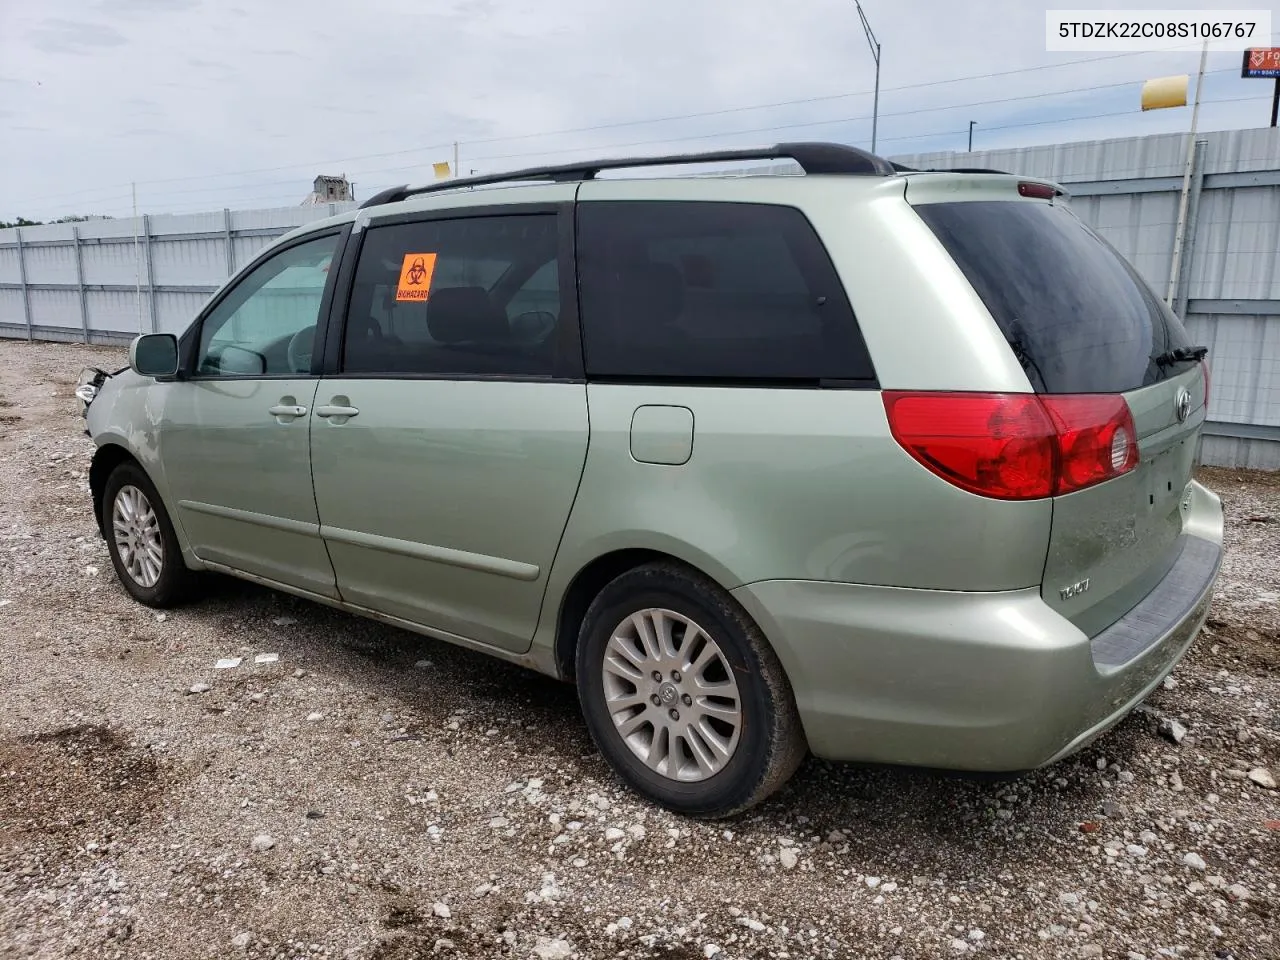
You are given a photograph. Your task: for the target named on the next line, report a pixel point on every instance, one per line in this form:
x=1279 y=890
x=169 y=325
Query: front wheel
x=140 y=537
x=684 y=696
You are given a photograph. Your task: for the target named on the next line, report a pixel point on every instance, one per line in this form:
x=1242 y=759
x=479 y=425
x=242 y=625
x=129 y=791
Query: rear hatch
x=1083 y=322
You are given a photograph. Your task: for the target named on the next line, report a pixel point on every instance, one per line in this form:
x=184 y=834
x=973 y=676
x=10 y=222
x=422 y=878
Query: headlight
x=88 y=384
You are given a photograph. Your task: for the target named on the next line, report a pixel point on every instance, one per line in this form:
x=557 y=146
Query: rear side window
x=1079 y=318
x=472 y=296
x=712 y=292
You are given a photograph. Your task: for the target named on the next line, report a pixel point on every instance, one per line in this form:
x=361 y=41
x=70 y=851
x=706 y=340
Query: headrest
x=465 y=314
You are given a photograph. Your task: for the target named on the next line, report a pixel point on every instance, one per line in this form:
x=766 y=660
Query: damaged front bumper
x=88 y=384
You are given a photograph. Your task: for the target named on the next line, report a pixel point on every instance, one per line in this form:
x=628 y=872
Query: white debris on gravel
x=262 y=843
x=199 y=688
x=1263 y=777
x=1173 y=730
x=228 y=663
x=95 y=720
x=552 y=949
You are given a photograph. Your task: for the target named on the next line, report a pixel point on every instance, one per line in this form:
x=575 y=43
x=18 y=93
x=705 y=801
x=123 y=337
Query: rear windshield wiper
x=1182 y=355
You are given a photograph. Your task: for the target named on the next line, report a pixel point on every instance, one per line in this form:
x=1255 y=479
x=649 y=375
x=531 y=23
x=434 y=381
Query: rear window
x=1079 y=318
x=721 y=292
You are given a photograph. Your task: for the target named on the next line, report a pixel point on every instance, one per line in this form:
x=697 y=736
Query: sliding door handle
x=335 y=411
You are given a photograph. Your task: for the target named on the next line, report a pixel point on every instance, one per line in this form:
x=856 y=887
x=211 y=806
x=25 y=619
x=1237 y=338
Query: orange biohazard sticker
x=415 y=276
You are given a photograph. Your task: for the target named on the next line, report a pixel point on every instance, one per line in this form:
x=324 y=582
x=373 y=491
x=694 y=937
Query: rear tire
x=684 y=696
x=140 y=537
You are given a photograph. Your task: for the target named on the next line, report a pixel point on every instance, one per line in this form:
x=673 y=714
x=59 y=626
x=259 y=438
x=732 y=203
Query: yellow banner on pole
x=441 y=170
x=1163 y=92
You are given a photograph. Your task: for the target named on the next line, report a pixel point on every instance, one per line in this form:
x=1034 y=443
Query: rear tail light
x=1016 y=446
x=1041 y=191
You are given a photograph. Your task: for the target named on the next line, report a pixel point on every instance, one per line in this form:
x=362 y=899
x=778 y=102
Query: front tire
x=683 y=695
x=141 y=540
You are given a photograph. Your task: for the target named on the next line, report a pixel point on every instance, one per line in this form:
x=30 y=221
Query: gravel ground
x=376 y=795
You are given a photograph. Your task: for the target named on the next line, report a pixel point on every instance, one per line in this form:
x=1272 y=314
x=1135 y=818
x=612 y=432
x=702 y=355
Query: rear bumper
x=995 y=682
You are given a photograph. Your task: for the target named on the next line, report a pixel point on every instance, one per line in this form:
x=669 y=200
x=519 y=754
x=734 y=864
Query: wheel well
x=104 y=462
x=590 y=580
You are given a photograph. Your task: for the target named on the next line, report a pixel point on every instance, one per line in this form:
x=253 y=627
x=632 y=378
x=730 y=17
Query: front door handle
x=335 y=411
x=287 y=411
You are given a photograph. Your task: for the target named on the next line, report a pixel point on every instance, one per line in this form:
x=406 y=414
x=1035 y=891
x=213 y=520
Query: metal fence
x=105 y=281
x=93 y=281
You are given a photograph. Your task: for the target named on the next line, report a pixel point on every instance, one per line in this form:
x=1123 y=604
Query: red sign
x=1264 y=62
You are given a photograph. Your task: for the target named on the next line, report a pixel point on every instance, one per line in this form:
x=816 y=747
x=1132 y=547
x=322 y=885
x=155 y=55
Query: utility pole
x=971 y=123
x=456 y=171
x=137 y=264
x=1179 y=237
x=875 y=53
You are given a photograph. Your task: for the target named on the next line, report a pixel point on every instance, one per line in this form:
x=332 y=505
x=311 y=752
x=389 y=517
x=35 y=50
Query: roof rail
x=813 y=158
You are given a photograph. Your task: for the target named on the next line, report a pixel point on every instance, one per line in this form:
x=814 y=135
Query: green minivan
x=881 y=464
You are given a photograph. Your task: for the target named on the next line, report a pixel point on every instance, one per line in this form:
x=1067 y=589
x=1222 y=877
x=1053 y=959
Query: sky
x=206 y=104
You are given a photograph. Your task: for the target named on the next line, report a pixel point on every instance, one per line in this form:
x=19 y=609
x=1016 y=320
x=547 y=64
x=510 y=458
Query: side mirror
x=154 y=355
x=237 y=361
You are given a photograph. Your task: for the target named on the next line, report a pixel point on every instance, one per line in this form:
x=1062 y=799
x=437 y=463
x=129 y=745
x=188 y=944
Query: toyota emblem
x=1182 y=404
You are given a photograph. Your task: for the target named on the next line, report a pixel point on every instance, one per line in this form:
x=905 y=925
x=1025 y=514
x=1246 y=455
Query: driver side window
x=267 y=324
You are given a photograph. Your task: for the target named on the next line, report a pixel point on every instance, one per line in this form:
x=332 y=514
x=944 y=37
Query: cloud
x=140 y=7
x=74 y=37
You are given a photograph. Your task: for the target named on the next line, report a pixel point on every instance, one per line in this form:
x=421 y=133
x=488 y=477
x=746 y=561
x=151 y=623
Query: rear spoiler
x=1027 y=186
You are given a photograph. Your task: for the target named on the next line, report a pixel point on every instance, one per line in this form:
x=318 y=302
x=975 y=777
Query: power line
x=803 y=100
x=683 y=138
x=819 y=123
x=950 y=132
x=677 y=139
x=627 y=123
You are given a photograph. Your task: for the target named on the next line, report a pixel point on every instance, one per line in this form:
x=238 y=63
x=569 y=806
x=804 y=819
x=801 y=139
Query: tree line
x=24 y=222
